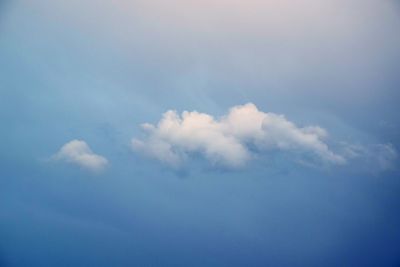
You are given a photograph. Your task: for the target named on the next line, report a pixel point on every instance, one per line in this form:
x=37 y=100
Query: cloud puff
x=231 y=139
x=78 y=152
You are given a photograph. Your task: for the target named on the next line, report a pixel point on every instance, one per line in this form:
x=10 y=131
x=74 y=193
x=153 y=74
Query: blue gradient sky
x=95 y=70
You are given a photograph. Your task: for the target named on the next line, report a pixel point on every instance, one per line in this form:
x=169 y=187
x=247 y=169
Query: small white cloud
x=227 y=140
x=78 y=152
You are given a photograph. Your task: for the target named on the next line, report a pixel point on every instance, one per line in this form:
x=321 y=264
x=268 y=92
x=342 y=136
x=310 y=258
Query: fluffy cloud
x=231 y=140
x=78 y=152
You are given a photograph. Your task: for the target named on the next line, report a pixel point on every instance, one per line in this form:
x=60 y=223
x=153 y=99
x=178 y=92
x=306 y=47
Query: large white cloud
x=227 y=140
x=78 y=152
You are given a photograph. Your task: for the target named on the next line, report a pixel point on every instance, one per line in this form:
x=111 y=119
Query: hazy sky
x=199 y=133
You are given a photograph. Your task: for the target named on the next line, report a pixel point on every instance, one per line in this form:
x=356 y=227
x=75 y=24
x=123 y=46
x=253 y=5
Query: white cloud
x=78 y=152
x=227 y=140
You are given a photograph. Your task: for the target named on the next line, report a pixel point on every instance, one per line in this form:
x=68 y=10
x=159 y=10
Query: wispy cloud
x=79 y=153
x=373 y=157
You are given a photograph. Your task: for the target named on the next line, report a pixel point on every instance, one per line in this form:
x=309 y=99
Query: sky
x=199 y=133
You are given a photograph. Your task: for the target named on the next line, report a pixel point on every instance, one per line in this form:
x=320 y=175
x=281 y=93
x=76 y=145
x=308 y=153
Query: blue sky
x=270 y=136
